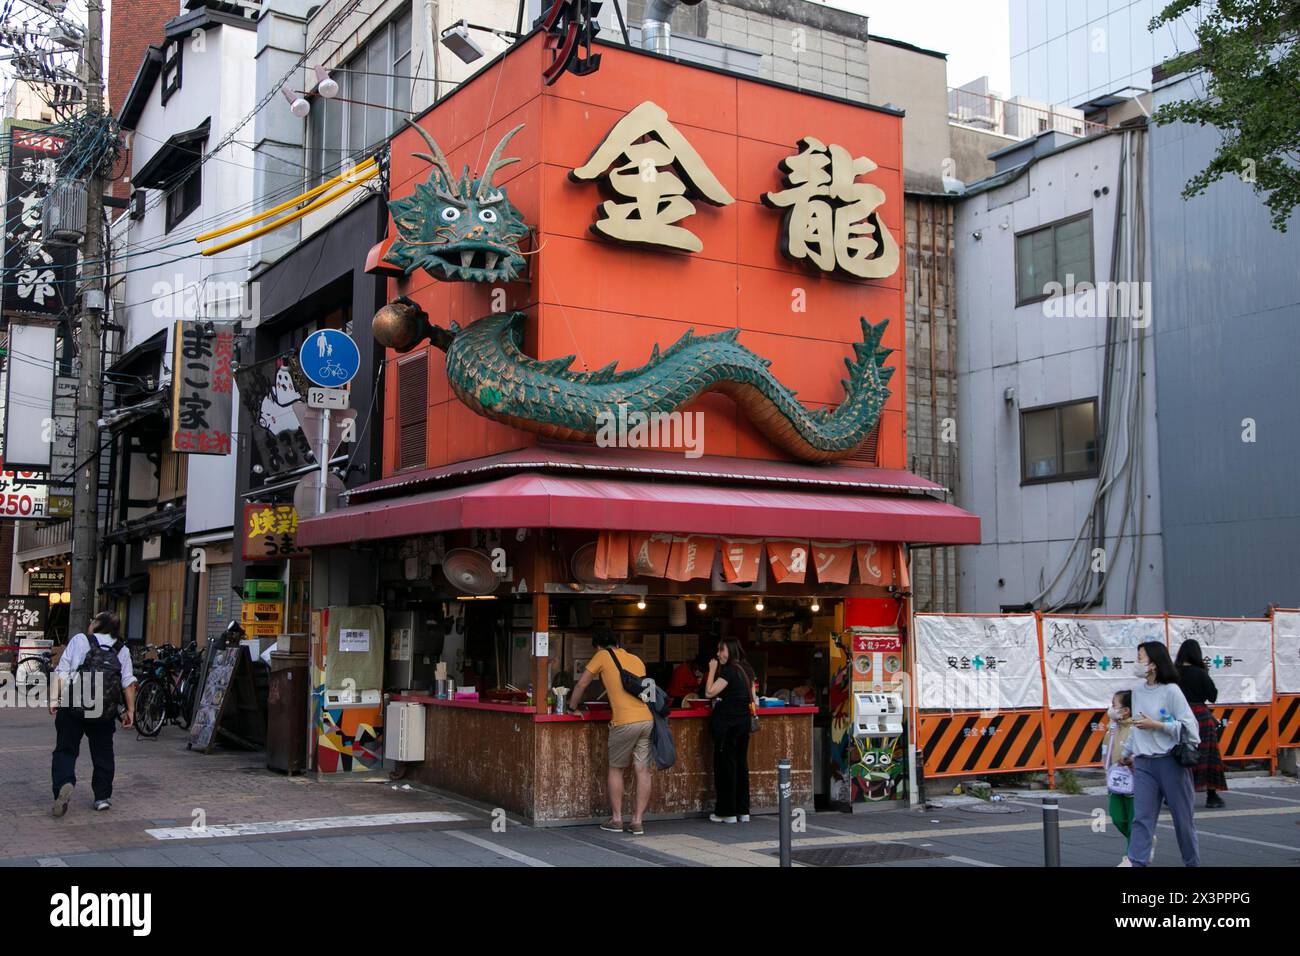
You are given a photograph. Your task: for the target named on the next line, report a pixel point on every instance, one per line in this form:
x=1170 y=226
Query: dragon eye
x=487 y=215
x=450 y=214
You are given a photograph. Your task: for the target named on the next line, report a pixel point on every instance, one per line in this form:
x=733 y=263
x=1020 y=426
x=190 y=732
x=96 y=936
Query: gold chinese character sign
x=831 y=219
x=646 y=161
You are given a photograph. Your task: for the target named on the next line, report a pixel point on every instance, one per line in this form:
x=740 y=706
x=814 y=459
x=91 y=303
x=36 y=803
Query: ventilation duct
x=656 y=28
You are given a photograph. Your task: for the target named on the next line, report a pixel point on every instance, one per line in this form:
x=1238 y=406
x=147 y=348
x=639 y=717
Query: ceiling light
x=704 y=603
x=456 y=38
x=640 y=604
x=758 y=605
x=326 y=85
x=816 y=606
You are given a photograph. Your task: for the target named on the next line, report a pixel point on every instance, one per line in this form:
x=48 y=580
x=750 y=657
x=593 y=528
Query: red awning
x=544 y=501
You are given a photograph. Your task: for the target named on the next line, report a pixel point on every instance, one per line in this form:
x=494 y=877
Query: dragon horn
x=435 y=155
x=495 y=162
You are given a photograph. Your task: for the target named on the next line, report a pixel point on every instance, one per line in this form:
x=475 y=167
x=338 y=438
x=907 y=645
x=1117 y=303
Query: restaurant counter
x=550 y=768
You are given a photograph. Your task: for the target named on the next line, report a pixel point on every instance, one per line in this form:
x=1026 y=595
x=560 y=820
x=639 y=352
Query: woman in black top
x=730 y=685
x=1198 y=687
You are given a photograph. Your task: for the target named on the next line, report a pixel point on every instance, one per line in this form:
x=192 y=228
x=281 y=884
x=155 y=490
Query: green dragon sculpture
x=456 y=228
x=489 y=372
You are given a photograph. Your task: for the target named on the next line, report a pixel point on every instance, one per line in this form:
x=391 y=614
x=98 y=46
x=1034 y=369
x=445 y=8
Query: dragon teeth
x=467 y=258
x=491 y=260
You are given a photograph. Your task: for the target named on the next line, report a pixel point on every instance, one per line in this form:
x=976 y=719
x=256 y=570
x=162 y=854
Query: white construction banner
x=1090 y=659
x=977 y=663
x=1286 y=650
x=1238 y=653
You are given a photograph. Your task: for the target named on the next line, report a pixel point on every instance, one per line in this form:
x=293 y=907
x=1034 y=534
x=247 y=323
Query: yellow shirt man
x=625 y=708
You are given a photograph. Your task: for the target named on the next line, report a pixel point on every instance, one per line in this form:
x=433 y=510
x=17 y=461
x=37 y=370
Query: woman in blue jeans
x=1161 y=715
x=730 y=685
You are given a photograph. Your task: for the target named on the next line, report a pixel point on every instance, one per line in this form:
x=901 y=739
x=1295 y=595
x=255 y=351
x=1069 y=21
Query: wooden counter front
x=551 y=769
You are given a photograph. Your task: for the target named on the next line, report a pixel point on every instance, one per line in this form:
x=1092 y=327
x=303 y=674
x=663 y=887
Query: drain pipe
x=656 y=29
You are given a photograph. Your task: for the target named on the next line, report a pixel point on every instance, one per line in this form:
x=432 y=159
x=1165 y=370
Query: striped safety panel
x=1286 y=711
x=960 y=744
x=1245 y=733
x=1077 y=736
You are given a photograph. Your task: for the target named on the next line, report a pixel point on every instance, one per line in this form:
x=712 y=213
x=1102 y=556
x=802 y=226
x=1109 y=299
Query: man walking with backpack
x=93 y=678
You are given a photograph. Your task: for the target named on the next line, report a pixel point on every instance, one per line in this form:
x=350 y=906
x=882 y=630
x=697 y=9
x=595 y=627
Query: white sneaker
x=714 y=818
x=744 y=818
x=1152 y=857
x=1125 y=862
x=60 y=806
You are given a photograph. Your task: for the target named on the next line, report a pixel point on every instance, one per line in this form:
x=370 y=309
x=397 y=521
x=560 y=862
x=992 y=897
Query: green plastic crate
x=258 y=589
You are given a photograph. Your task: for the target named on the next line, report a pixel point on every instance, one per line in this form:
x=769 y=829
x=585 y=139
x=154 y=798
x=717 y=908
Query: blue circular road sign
x=330 y=358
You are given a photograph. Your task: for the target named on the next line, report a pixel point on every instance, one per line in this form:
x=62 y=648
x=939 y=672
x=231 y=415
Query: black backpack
x=636 y=686
x=102 y=661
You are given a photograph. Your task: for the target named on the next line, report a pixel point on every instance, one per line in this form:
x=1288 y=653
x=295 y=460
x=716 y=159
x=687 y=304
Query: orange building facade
x=606 y=301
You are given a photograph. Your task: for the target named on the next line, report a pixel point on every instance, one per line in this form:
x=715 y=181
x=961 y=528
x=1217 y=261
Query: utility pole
x=85 y=493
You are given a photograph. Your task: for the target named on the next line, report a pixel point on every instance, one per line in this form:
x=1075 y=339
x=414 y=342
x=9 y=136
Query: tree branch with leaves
x=1249 y=53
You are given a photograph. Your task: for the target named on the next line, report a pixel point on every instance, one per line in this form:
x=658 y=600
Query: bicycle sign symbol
x=330 y=358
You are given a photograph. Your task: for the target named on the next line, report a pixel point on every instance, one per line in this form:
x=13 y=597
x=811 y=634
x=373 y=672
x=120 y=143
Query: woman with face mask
x=1161 y=715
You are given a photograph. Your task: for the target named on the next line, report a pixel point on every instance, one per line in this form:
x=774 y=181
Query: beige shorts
x=628 y=742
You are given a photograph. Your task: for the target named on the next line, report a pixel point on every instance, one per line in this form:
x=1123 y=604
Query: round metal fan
x=470 y=571
x=583 y=566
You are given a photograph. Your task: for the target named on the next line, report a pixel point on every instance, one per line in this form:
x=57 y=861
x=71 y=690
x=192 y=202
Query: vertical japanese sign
x=270 y=532
x=36 y=276
x=202 y=386
x=22 y=616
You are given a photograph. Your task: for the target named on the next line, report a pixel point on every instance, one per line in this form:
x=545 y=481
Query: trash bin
x=286 y=713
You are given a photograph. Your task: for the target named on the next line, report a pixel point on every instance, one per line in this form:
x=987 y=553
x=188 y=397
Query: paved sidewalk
x=255 y=817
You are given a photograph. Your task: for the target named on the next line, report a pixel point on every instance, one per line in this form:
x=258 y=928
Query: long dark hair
x=1189 y=652
x=736 y=655
x=1158 y=654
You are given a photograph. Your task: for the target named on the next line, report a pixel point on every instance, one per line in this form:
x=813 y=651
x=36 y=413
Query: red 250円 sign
x=23 y=494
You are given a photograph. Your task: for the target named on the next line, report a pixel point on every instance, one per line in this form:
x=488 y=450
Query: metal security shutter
x=223 y=603
x=412 y=410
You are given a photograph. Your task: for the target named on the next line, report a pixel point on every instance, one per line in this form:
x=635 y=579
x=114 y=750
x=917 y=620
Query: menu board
x=211 y=705
x=681 y=647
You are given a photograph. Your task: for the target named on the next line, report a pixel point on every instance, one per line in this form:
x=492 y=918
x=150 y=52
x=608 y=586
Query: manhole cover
x=993 y=808
x=862 y=855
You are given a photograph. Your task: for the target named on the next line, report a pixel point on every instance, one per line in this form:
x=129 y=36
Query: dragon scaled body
x=489 y=371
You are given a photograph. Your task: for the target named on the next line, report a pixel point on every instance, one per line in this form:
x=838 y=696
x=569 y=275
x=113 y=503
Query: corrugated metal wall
x=931 y=379
x=1227 y=333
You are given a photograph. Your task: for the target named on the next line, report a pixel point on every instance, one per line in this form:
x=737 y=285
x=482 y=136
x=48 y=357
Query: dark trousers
x=69 y=727
x=731 y=766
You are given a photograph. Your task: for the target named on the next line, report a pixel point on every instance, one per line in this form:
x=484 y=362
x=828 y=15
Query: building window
x=1059 y=442
x=171 y=70
x=184 y=198
x=377 y=80
x=1060 y=252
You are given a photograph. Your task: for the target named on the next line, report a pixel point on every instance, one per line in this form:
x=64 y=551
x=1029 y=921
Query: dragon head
x=458 y=228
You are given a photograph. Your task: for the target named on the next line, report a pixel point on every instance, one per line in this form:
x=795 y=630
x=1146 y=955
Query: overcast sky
x=975 y=34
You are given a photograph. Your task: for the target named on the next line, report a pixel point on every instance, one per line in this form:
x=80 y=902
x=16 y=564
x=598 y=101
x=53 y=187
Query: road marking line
x=975 y=831
x=968 y=861
x=1262 y=796
x=51 y=861
x=499 y=850
x=300 y=826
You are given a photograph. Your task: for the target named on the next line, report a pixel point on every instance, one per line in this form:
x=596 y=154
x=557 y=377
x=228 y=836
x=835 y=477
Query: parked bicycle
x=169 y=689
x=33 y=669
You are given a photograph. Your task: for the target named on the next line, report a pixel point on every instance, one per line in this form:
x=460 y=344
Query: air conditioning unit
x=63 y=214
x=404 y=731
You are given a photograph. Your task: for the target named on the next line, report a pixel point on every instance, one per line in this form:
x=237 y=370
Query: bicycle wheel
x=31 y=670
x=188 y=693
x=150 y=707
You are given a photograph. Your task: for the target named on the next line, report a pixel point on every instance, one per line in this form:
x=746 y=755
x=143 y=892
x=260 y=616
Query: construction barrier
x=1246 y=732
x=1077 y=736
x=979 y=710
x=958 y=745
x=1286 y=717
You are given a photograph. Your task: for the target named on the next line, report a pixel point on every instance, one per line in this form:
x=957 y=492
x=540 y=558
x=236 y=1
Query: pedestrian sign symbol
x=330 y=358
